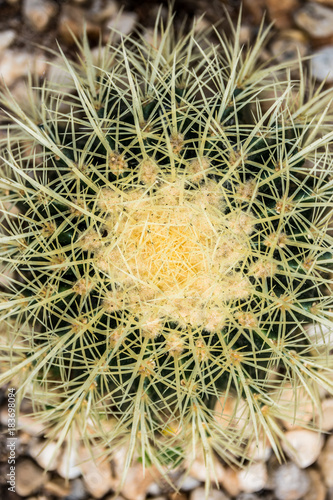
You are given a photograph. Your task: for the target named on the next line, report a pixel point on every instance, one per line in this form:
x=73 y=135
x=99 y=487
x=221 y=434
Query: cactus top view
x=166 y=247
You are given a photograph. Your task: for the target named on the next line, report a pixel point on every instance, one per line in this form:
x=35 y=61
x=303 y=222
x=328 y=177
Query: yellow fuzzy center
x=172 y=254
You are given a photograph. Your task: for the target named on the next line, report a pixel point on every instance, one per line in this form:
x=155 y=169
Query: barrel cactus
x=165 y=247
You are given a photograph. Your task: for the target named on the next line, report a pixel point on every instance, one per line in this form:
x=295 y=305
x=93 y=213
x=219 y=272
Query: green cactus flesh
x=167 y=245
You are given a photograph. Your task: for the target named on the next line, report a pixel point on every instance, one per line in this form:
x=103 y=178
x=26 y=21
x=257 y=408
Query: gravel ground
x=28 y=33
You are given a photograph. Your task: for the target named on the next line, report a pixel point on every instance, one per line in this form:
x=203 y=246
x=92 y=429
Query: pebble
x=110 y=10
x=57 y=487
x=303 y=446
x=247 y=496
x=137 y=482
x=290 y=482
x=17 y=63
x=124 y=23
x=230 y=411
x=97 y=474
x=326 y=422
x=231 y=482
x=288 y=48
x=198 y=470
x=68 y=464
x=325 y=462
x=213 y=494
x=253 y=478
x=279 y=12
x=78 y=491
x=29 y=477
x=30 y=425
x=6 y=39
x=315 y=19
x=187 y=483
x=317 y=489
x=39 y=13
x=73 y=19
x=259 y=451
x=45 y=453
x=322 y=68
x=304 y=411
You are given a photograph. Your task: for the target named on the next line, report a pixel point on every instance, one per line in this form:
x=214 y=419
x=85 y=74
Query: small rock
x=124 y=23
x=279 y=12
x=39 y=13
x=78 y=491
x=96 y=473
x=187 y=483
x=326 y=422
x=110 y=10
x=316 y=19
x=325 y=462
x=317 y=489
x=29 y=477
x=68 y=464
x=57 y=487
x=248 y=496
x=321 y=335
x=198 y=470
x=290 y=482
x=46 y=454
x=30 y=425
x=200 y=494
x=17 y=63
x=137 y=482
x=303 y=446
x=322 y=68
x=231 y=411
x=259 y=451
x=245 y=33
x=73 y=19
x=6 y=39
x=253 y=478
x=291 y=416
x=231 y=482
x=178 y=495
x=289 y=49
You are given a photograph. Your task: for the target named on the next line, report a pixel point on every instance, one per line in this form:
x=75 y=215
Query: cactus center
x=173 y=252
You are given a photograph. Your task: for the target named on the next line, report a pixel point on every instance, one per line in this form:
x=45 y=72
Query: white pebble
x=290 y=482
x=200 y=494
x=303 y=446
x=253 y=478
x=6 y=38
x=16 y=63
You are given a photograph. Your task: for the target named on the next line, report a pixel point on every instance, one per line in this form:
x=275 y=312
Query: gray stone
x=316 y=19
x=322 y=67
x=290 y=482
x=78 y=491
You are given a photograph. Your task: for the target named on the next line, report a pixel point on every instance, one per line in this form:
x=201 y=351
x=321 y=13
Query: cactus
x=166 y=246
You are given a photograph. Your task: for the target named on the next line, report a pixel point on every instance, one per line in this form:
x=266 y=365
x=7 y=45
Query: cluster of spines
x=181 y=134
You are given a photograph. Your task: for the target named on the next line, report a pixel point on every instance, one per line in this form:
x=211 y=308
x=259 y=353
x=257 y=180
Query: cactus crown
x=165 y=245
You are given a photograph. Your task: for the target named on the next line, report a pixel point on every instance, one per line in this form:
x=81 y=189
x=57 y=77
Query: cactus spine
x=167 y=245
